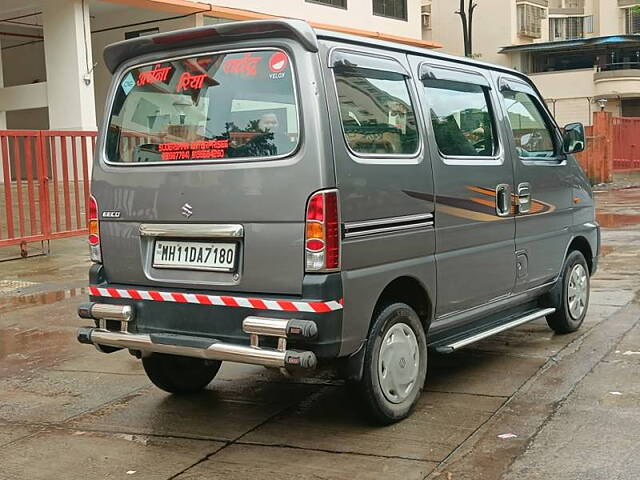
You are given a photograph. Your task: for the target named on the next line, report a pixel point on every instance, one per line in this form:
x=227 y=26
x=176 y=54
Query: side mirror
x=573 y=138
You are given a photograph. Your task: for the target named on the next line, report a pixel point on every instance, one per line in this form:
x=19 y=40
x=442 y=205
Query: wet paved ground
x=572 y=402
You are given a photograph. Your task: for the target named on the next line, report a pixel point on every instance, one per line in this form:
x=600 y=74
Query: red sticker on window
x=187 y=81
x=244 y=66
x=278 y=62
x=202 y=149
x=158 y=74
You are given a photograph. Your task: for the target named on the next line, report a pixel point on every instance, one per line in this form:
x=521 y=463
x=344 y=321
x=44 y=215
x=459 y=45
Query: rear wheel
x=573 y=299
x=176 y=374
x=395 y=364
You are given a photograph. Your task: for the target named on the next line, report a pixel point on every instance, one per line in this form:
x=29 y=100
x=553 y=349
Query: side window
x=462 y=119
x=531 y=132
x=376 y=112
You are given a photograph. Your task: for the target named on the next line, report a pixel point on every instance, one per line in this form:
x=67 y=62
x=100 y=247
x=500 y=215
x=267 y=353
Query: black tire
x=566 y=320
x=176 y=374
x=380 y=408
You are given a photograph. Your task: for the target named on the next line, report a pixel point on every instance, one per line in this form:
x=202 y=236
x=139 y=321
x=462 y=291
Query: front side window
x=462 y=119
x=376 y=112
x=205 y=108
x=390 y=8
x=532 y=136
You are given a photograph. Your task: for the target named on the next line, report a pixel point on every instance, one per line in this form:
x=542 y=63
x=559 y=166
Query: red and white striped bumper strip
x=223 y=301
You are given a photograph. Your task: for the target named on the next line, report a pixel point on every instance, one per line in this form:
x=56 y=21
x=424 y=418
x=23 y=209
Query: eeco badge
x=278 y=62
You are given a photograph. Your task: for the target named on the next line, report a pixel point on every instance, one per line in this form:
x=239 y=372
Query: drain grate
x=9 y=286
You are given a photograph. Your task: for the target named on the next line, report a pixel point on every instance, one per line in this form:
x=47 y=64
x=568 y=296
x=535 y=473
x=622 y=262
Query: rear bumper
x=204 y=348
x=217 y=318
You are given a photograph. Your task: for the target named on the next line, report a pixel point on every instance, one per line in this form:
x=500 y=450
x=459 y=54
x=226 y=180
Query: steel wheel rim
x=398 y=363
x=577 y=291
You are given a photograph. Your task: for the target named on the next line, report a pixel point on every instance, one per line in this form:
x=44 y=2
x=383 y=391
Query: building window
x=631 y=21
x=530 y=20
x=426 y=17
x=569 y=28
x=573 y=3
x=331 y=3
x=566 y=4
x=390 y=8
x=141 y=33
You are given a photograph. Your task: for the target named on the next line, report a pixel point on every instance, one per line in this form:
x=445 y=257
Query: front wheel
x=395 y=364
x=573 y=300
x=175 y=374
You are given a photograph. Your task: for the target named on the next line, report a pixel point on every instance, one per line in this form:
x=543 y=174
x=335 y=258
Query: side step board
x=464 y=341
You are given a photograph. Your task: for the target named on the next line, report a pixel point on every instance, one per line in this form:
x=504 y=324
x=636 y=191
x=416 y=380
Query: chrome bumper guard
x=201 y=347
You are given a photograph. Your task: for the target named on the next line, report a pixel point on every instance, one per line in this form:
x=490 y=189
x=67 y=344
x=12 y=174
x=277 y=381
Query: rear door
x=473 y=179
x=543 y=186
x=204 y=169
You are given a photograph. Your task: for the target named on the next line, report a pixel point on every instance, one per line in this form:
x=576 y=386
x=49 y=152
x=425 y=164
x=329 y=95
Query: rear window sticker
x=128 y=83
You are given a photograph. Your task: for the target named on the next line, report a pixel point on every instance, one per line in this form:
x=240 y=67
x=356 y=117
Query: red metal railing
x=44 y=187
x=626 y=143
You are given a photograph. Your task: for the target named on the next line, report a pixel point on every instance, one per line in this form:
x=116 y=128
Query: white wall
x=68 y=59
x=492 y=29
x=359 y=14
x=571 y=91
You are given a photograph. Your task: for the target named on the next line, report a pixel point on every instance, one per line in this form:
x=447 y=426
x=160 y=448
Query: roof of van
x=299 y=30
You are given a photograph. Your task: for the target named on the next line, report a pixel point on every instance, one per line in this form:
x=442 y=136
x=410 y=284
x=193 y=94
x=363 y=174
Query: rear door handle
x=524 y=197
x=503 y=200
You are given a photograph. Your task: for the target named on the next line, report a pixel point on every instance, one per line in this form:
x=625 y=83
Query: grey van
x=270 y=194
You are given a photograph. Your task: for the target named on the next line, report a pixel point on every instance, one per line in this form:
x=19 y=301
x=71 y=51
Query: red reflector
x=332 y=230
x=316 y=208
x=93 y=208
x=94 y=239
x=315 y=245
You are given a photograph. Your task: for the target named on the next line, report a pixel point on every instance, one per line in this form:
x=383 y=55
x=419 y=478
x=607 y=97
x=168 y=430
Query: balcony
x=620 y=79
x=566 y=7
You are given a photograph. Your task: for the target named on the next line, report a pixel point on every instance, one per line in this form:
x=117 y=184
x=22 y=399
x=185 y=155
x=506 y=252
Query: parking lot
x=522 y=405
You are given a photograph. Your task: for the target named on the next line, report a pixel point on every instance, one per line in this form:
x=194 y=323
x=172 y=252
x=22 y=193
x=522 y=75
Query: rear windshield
x=205 y=108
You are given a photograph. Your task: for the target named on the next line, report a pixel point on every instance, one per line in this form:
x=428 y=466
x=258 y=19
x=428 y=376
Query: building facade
x=51 y=71
x=583 y=55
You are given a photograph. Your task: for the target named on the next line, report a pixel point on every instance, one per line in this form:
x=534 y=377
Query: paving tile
x=91 y=360
x=466 y=371
x=11 y=432
x=60 y=454
x=594 y=434
x=612 y=297
x=226 y=410
x=250 y=462
x=51 y=396
x=628 y=350
x=331 y=420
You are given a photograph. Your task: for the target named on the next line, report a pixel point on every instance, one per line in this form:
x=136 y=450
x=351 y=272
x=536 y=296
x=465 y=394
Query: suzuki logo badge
x=187 y=210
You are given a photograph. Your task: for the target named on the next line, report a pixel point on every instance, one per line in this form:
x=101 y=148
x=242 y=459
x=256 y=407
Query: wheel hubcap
x=398 y=362
x=577 y=291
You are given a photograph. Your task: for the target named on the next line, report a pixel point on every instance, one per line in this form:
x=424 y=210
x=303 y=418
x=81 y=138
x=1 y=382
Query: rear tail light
x=322 y=232
x=94 y=231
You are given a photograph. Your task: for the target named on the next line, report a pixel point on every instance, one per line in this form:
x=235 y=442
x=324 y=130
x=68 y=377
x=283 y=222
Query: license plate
x=194 y=255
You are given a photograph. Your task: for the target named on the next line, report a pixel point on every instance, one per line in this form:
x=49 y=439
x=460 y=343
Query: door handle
x=524 y=197
x=503 y=200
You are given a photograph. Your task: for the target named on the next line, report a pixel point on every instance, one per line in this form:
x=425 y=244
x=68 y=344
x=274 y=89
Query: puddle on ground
x=23 y=350
x=605 y=250
x=42 y=298
x=617 y=220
